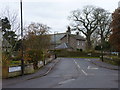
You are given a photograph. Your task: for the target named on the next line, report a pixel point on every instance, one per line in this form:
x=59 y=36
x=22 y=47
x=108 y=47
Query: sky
x=53 y=13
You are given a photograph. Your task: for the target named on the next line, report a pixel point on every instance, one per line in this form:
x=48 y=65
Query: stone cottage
x=72 y=41
x=68 y=41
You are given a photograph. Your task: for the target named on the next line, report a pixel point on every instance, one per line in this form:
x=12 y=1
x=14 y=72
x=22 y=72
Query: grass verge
x=81 y=57
x=112 y=62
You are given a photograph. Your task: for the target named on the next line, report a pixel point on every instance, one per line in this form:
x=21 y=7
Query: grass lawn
x=15 y=63
x=114 y=60
x=81 y=57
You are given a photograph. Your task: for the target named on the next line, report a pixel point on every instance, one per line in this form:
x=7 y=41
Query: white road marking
x=80 y=68
x=84 y=72
x=87 y=59
x=89 y=67
x=63 y=82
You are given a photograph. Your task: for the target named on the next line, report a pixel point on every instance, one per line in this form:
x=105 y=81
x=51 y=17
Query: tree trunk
x=35 y=64
x=89 y=45
x=119 y=54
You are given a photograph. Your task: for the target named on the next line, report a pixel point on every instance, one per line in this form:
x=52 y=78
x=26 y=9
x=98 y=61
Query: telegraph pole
x=102 y=53
x=22 y=60
x=55 y=44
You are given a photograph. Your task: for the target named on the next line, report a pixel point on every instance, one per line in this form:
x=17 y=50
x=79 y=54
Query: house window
x=82 y=44
x=78 y=43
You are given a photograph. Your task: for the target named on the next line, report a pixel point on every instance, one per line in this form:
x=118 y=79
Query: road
x=73 y=73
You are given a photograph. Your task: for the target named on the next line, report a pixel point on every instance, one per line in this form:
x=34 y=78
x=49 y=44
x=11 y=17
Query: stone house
x=68 y=41
x=55 y=39
x=72 y=41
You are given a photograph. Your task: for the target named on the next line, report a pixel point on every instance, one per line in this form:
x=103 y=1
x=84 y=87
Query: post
x=55 y=44
x=43 y=58
x=22 y=60
x=102 y=52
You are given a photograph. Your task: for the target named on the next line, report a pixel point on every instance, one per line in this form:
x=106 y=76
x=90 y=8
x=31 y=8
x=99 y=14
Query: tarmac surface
x=69 y=73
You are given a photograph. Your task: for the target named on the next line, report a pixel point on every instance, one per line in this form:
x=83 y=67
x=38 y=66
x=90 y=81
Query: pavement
x=104 y=65
x=42 y=72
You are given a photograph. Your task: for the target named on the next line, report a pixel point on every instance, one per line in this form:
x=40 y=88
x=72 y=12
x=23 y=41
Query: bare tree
x=37 y=41
x=85 y=21
x=103 y=29
x=101 y=35
x=36 y=37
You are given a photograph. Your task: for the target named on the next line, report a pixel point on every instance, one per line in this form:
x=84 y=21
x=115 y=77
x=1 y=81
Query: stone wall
x=28 y=68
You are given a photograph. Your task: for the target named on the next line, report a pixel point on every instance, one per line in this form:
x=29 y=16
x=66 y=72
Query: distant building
x=68 y=41
x=55 y=39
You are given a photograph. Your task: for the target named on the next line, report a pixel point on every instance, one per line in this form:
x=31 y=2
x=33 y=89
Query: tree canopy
x=88 y=20
x=115 y=26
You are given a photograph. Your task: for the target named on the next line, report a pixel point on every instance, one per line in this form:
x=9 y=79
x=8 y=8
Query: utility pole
x=55 y=44
x=102 y=53
x=22 y=60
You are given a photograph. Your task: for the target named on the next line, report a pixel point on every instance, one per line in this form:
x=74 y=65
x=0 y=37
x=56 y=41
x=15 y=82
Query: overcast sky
x=54 y=13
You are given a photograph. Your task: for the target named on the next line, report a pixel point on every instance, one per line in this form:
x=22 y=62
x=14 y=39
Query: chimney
x=77 y=33
x=68 y=32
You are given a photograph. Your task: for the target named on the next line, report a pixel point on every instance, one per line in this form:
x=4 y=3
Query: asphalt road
x=73 y=73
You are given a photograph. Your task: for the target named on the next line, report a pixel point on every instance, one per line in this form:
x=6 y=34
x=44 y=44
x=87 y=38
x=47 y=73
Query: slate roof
x=63 y=46
x=57 y=36
x=78 y=37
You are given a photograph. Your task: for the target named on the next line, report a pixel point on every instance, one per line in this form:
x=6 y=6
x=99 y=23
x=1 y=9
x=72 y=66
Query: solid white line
x=84 y=72
x=75 y=62
x=80 y=68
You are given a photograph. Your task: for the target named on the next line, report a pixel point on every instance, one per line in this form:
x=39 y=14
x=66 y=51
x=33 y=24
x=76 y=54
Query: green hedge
x=65 y=53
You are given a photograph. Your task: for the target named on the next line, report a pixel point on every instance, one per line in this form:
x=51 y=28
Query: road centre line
x=80 y=68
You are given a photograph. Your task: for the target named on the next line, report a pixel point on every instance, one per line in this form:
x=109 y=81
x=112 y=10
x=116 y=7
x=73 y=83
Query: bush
x=79 y=50
x=33 y=56
x=5 y=59
x=98 y=47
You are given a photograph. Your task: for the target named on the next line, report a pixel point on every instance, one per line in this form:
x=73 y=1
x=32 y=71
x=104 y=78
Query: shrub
x=33 y=56
x=5 y=59
x=65 y=53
